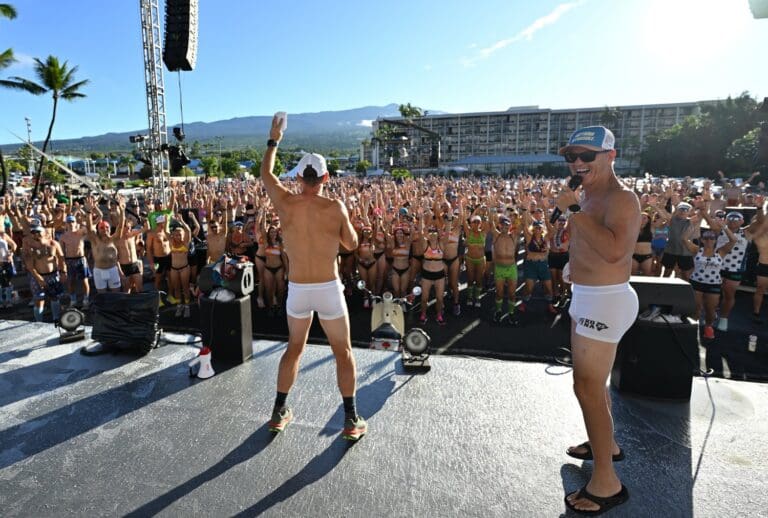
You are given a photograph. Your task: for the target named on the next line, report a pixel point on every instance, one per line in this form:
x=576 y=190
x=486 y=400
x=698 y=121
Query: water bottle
x=752 y=343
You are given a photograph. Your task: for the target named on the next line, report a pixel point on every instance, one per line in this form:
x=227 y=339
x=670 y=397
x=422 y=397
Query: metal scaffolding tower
x=157 y=144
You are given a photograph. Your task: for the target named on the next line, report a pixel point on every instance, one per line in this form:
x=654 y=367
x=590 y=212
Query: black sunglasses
x=585 y=156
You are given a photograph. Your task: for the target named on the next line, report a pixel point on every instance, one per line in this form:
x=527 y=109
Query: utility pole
x=31 y=161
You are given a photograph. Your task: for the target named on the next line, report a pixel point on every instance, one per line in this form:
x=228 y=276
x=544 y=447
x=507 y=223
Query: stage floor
x=118 y=435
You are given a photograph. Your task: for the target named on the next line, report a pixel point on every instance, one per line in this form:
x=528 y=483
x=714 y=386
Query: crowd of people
x=422 y=231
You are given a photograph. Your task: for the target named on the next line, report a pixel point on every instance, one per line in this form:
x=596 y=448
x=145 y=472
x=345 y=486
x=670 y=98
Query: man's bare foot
x=584 y=452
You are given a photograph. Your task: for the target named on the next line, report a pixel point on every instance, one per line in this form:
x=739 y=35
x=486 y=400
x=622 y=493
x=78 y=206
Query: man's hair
x=310 y=176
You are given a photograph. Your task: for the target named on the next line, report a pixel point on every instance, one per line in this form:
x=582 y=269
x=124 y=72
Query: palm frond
x=6 y=58
x=7 y=11
x=19 y=83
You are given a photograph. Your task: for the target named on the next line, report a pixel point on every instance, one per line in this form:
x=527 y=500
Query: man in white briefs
x=604 y=224
x=313 y=228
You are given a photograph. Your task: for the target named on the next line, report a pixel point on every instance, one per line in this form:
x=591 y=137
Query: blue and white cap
x=596 y=138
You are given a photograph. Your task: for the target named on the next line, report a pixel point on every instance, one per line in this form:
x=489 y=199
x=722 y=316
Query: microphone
x=573 y=184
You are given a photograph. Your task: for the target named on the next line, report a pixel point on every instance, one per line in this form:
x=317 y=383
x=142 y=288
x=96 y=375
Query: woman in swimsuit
x=642 y=257
x=449 y=241
x=260 y=255
x=432 y=274
x=379 y=249
x=559 y=242
x=400 y=245
x=274 y=274
x=475 y=257
x=178 y=277
x=536 y=266
x=366 y=262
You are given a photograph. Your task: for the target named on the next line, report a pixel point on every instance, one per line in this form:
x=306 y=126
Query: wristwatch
x=573 y=209
x=271 y=143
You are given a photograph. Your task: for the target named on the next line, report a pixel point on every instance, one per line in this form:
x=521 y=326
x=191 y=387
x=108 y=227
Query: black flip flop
x=588 y=455
x=606 y=503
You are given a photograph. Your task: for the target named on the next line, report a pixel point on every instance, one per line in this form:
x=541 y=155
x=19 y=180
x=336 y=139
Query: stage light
x=71 y=322
x=415 y=355
x=179 y=134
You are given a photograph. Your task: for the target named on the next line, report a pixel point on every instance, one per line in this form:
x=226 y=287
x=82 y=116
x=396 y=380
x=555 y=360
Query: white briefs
x=106 y=277
x=327 y=298
x=603 y=313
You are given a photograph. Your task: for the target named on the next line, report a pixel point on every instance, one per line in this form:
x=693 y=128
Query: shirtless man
x=313 y=228
x=47 y=269
x=128 y=258
x=604 y=228
x=159 y=250
x=73 y=243
x=217 y=233
x=106 y=275
x=506 y=237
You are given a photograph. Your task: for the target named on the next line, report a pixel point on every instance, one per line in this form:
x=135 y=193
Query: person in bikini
x=432 y=274
x=604 y=226
x=475 y=257
x=314 y=228
x=401 y=251
x=159 y=252
x=274 y=270
x=536 y=267
x=449 y=241
x=366 y=262
x=178 y=277
x=642 y=256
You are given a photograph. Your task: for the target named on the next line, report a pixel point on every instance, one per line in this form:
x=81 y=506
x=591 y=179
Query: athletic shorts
x=534 y=270
x=77 y=268
x=731 y=276
x=51 y=288
x=327 y=298
x=106 y=277
x=762 y=270
x=163 y=263
x=603 y=313
x=685 y=262
x=557 y=260
x=505 y=273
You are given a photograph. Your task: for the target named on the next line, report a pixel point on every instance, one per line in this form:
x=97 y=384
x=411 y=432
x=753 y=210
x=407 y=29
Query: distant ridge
x=343 y=129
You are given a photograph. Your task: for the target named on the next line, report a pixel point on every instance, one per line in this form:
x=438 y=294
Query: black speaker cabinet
x=658 y=360
x=126 y=321
x=673 y=296
x=180 y=48
x=227 y=329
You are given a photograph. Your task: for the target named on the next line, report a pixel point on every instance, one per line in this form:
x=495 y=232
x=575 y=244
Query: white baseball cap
x=312 y=162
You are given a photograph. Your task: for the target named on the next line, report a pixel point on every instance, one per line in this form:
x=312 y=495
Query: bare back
x=312 y=232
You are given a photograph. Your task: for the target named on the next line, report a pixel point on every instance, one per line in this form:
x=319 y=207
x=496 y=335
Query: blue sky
x=257 y=57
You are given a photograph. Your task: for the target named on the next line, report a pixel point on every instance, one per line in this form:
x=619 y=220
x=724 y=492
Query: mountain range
x=321 y=131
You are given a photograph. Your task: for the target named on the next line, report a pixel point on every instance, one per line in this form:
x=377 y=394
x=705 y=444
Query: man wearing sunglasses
x=604 y=225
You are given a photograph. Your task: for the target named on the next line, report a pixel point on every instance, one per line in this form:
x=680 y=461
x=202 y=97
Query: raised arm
x=276 y=192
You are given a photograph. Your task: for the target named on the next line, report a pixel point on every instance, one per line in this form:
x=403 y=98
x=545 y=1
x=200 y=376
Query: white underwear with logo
x=327 y=298
x=603 y=313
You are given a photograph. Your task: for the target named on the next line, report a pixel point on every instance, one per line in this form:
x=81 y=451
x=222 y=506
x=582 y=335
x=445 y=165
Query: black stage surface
x=474 y=334
x=117 y=435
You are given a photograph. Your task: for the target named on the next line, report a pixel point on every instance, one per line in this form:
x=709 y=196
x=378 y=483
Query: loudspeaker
x=657 y=360
x=180 y=48
x=235 y=276
x=227 y=329
x=673 y=296
x=126 y=321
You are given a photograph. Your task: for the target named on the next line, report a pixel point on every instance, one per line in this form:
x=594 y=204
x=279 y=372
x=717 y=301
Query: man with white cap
x=313 y=228
x=604 y=224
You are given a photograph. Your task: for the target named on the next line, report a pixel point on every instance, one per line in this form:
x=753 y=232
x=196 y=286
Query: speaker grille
x=180 y=49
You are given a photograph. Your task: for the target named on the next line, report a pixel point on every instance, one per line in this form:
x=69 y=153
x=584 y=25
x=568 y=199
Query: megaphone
x=201 y=366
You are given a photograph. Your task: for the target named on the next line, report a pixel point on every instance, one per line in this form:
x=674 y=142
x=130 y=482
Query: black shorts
x=432 y=276
x=762 y=270
x=641 y=258
x=685 y=262
x=731 y=276
x=705 y=288
x=557 y=260
x=163 y=263
x=489 y=256
x=131 y=268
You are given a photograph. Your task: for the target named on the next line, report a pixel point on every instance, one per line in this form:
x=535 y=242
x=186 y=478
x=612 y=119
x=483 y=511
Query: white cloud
x=525 y=34
x=23 y=62
x=368 y=123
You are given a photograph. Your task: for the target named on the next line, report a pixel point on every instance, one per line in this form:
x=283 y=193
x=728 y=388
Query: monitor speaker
x=126 y=321
x=672 y=296
x=227 y=329
x=180 y=48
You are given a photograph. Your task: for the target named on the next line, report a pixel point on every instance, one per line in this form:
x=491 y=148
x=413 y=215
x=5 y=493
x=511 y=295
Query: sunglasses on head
x=585 y=156
x=735 y=218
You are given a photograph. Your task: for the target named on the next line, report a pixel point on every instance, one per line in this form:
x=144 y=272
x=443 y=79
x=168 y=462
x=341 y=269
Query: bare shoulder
x=624 y=201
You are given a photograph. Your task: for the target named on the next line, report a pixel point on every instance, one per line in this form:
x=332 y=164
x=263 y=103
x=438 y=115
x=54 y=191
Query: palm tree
x=6 y=57
x=58 y=79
